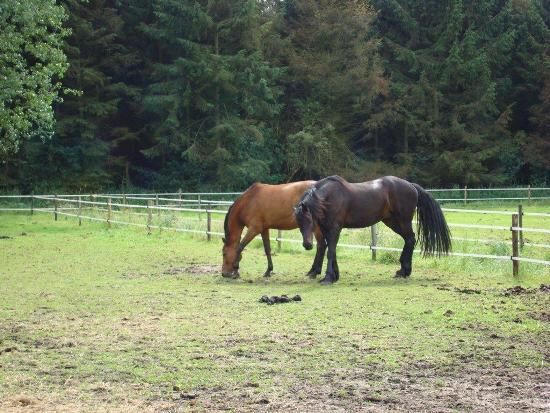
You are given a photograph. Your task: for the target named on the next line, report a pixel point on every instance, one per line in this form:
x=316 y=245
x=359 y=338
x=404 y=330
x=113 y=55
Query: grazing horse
x=260 y=208
x=333 y=203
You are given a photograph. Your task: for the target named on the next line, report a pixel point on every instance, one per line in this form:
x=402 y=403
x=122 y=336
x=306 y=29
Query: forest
x=100 y=95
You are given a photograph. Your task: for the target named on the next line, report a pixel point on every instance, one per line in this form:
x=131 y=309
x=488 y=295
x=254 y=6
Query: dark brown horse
x=333 y=203
x=260 y=208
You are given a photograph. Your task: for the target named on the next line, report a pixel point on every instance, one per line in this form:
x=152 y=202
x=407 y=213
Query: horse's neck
x=235 y=226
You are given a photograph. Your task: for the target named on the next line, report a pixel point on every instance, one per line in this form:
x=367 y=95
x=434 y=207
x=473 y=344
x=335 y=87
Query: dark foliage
x=218 y=94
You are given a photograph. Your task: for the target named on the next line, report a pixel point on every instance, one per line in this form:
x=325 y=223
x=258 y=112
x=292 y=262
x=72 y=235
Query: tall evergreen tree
x=334 y=80
x=79 y=155
x=213 y=96
x=447 y=61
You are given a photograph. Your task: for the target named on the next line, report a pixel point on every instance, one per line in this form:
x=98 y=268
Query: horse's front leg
x=332 y=275
x=249 y=236
x=317 y=266
x=267 y=249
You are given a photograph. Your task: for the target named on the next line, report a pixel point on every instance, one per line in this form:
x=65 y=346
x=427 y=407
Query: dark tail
x=433 y=232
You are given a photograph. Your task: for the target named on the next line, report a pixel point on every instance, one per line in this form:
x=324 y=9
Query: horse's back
x=365 y=203
x=272 y=206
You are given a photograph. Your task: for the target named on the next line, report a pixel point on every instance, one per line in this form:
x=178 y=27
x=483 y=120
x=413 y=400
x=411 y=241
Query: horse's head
x=306 y=224
x=231 y=258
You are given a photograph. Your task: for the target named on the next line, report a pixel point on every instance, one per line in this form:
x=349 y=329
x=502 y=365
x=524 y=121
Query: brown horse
x=333 y=203
x=260 y=208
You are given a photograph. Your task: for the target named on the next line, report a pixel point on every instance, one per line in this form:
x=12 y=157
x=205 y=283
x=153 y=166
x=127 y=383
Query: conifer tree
x=213 y=95
x=78 y=154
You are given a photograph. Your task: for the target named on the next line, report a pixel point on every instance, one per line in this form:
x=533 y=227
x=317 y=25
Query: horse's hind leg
x=267 y=249
x=405 y=229
x=317 y=266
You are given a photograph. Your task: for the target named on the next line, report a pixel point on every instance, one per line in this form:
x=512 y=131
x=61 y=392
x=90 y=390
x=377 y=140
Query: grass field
x=96 y=319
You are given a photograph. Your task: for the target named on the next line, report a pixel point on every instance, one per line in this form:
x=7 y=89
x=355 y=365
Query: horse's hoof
x=402 y=274
x=312 y=274
x=268 y=274
x=326 y=281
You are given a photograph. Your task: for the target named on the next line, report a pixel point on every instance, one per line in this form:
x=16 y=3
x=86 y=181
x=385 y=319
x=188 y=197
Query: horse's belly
x=362 y=223
x=287 y=222
x=361 y=217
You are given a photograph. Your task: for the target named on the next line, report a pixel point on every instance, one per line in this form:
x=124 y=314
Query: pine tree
x=449 y=63
x=213 y=95
x=335 y=79
x=77 y=156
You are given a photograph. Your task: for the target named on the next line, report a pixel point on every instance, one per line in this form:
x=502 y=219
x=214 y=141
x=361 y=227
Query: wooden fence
x=144 y=207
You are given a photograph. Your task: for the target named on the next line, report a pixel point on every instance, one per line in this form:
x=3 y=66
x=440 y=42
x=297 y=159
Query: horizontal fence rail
x=195 y=208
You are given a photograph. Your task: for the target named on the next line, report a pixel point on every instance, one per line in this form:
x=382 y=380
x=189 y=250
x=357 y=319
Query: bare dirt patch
x=195 y=269
x=519 y=290
x=418 y=387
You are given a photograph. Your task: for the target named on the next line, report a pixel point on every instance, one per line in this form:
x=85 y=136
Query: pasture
x=99 y=319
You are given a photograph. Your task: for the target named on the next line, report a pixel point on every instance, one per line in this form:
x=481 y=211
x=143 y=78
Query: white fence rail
x=76 y=205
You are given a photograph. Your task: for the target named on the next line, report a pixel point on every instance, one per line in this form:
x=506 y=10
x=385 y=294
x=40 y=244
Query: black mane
x=314 y=200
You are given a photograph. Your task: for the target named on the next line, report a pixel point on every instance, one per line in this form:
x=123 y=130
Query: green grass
x=100 y=319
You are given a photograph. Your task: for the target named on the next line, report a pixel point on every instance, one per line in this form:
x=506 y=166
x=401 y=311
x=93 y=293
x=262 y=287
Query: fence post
x=79 y=210
x=515 y=248
x=157 y=204
x=279 y=242
x=465 y=194
x=109 y=212
x=529 y=193
x=208 y=224
x=179 y=198
x=200 y=207
x=32 y=203
x=55 y=207
x=520 y=224
x=149 y=216
x=374 y=238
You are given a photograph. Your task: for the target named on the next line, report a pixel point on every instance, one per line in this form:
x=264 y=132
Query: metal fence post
x=157 y=204
x=55 y=207
x=149 y=216
x=79 y=210
x=529 y=193
x=465 y=194
x=32 y=204
x=515 y=244
x=279 y=242
x=374 y=238
x=520 y=225
x=208 y=224
x=109 y=212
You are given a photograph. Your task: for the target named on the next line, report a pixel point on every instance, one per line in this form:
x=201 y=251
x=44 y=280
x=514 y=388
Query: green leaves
x=32 y=63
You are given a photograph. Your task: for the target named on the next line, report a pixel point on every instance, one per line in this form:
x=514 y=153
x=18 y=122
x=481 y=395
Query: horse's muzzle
x=230 y=274
x=307 y=245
